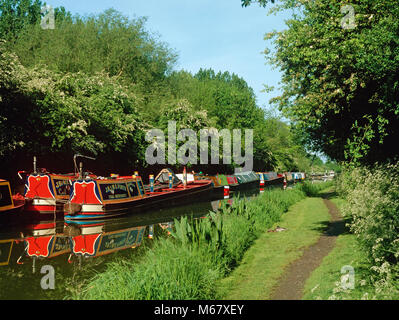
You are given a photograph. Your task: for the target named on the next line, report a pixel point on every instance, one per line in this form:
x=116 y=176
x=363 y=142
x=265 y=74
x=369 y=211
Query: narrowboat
x=226 y=180
x=9 y=204
x=223 y=184
x=247 y=179
x=46 y=193
x=273 y=179
x=289 y=177
x=96 y=198
x=298 y=176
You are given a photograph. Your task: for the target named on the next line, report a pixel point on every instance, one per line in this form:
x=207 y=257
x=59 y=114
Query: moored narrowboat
x=273 y=178
x=223 y=184
x=298 y=176
x=247 y=179
x=95 y=198
x=47 y=193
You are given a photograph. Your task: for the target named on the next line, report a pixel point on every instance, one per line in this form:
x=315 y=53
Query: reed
x=199 y=252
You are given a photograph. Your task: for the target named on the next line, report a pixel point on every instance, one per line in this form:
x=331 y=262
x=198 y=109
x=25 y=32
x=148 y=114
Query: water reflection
x=77 y=250
x=91 y=240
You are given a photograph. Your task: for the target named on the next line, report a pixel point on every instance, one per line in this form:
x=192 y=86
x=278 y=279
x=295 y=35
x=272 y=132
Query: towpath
x=292 y=283
x=278 y=264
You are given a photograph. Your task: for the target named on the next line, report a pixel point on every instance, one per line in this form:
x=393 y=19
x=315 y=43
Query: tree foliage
x=340 y=83
x=96 y=83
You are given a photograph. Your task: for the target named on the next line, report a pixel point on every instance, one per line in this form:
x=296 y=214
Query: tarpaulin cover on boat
x=163 y=176
x=245 y=177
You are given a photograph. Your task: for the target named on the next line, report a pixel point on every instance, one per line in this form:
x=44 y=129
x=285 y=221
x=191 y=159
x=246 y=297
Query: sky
x=217 y=34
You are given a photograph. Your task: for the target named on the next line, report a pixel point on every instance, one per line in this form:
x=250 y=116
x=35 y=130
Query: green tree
x=15 y=15
x=109 y=42
x=43 y=112
x=340 y=82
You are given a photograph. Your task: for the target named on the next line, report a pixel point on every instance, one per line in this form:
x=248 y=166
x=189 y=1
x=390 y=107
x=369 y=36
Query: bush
x=373 y=209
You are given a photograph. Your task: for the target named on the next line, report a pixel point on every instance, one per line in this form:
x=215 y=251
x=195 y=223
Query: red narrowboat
x=96 y=198
x=46 y=192
x=94 y=241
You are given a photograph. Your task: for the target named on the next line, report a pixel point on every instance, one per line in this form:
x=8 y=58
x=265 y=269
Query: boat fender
x=70 y=258
x=19 y=260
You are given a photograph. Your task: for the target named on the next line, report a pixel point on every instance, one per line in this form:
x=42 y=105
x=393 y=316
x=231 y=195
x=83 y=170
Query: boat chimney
x=184 y=176
x=151 y=183
x=34 y=165
x=81 y=170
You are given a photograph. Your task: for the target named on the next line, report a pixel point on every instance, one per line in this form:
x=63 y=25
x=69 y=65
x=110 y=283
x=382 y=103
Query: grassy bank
x=199 y=253
x=325 y=282
x=328 y=282
x=266 y=260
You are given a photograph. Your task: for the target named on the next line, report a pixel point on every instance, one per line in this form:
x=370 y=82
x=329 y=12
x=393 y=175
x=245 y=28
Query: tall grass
x=187 y=265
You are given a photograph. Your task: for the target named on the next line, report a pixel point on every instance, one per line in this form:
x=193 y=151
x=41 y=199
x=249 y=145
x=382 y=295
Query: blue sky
x=217 y=34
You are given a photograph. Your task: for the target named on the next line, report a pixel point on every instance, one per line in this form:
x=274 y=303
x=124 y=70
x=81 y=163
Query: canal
x=53 y=258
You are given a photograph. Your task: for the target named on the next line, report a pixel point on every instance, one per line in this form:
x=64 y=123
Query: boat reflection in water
x=91 y=240
x=42 y=240
x=52 y=238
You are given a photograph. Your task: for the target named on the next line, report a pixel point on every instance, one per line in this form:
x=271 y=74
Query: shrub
x=373 y=209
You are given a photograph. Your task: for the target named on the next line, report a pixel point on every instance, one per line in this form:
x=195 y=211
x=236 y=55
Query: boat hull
x=275 y=182
x=42 y=206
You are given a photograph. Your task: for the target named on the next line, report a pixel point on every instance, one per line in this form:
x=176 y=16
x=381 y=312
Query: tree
x=108 y=42
x=340 y=81
x=16 y=15
x=44 y=113
x=263 y=3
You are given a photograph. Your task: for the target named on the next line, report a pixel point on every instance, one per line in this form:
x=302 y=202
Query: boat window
x=62 y=187
x=134 y=192
x=141 y=187
x=113 y=191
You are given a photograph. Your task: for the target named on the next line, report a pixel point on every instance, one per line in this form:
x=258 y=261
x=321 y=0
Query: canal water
x=53 y=259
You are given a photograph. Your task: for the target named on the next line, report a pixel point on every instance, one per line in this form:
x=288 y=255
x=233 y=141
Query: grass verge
x=327 y=281
x=265 y=262
x=188 y=265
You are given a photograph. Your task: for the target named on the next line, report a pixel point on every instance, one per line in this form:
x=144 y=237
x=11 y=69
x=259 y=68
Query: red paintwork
x=85 y=244
x=84 y=192
x=231 y=180
x=38 y=187
x=38 y=246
